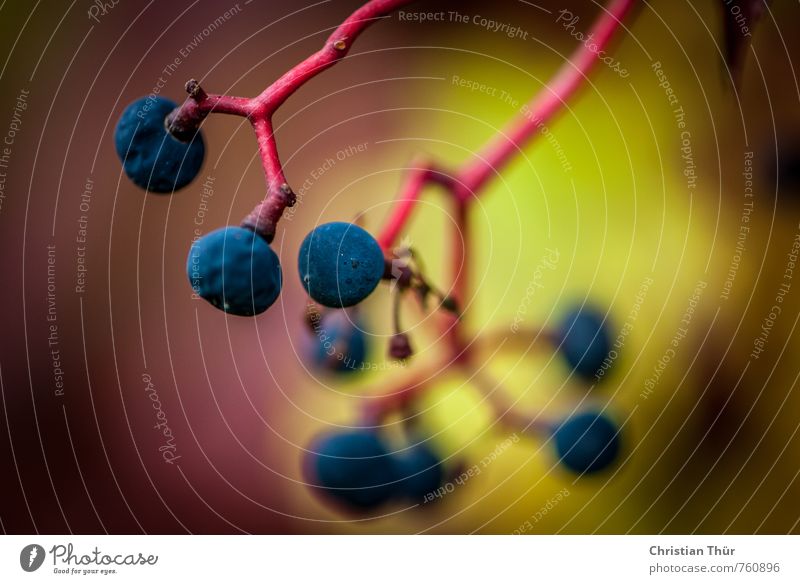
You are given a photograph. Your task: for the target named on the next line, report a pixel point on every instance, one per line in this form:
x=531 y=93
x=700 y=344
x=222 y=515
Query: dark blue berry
x=235 y=270
x=353 y=468
x=420 y=472
x=585 y=341
x=587 y=442
x=151 y=156
x=340 y=264
x=339 y=342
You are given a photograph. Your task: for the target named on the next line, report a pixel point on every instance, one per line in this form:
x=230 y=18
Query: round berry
x=153 y=158
x=420 y=472
x=235 y=270
x=353 y=468
x=340 y=264
x=340 y=343
x=585 y=341
x=587 y=442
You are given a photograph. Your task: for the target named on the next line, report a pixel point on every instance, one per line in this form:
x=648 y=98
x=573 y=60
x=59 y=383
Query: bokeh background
x=712 y=448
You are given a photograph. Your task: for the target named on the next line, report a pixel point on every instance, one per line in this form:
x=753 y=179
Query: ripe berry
x=354 y=468
x=587 y=442
x=585 y=341
x=339 y=342
x=420 y=472
x=153 y=158
x=340 y=264
x=235 y=270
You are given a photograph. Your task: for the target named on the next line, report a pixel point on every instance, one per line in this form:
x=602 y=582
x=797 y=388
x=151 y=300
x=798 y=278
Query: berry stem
x=470 y=179
x=549 y=102
x=264 y=217
x=505 y=411
x=417 y=178
x=184 y=122
x=377 y=407
x=335 y=48
x=459 y=348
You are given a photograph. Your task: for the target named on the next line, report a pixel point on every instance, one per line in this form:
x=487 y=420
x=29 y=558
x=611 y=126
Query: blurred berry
x=420 y=472
x=151 y=156
x=587 y=442
x=585 y=341
x=354 y=468
x=235 y=270
x=340 y=264
x=339 y=342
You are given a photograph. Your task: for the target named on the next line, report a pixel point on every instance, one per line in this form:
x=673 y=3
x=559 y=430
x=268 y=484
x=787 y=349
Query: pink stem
x=184 y=122
x=505 y=411
x=459 y=348
x=418 y=176
x=547 y=103
x=335 y=48
x=474 y=175
x=542 y=108
x=264 y=217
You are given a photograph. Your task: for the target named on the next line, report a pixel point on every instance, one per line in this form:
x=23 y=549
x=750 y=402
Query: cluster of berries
x=340 y=264
x=234 y=268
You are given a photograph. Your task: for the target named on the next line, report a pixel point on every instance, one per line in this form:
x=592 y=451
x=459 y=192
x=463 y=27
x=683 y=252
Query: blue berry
x=353 y=468
x=420 y=472
x=585 y=341
x=340 y=264
x=151 y=156
x=339 y=344
x=587 y=442
x=235 y=270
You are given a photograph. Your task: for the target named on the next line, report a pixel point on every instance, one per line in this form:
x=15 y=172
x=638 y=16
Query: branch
x=335 y=48
x=545 y=105
x=462 y=186
x=264 y=217
x=474 y=175
x=184 y=122
x=418 y=176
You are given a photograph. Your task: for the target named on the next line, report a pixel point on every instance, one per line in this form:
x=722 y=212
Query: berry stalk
x=546 y=104
x=335 y=48
x=184 y=122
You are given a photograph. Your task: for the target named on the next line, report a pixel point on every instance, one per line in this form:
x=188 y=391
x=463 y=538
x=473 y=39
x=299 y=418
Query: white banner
x=389 y=559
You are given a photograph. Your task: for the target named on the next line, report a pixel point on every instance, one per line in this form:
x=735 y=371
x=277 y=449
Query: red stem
x=185 y=120
x=505 y=411
x=546 y=104
x=418 y=176
x=459 y=348
x=474 y=174
x=335 y=48
x=264 y=217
